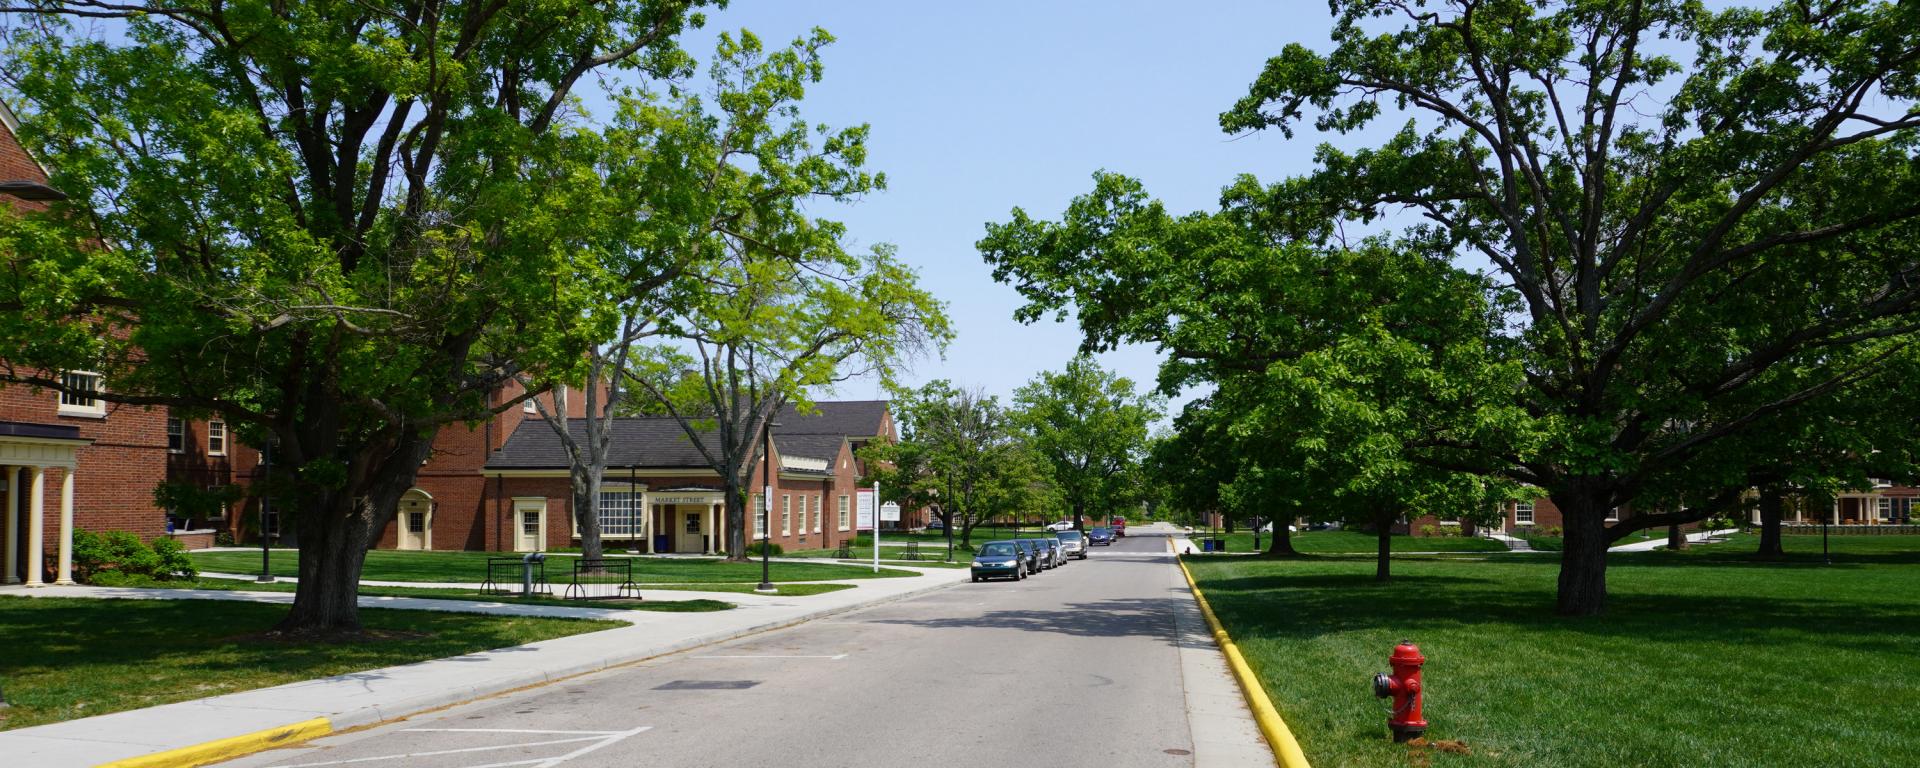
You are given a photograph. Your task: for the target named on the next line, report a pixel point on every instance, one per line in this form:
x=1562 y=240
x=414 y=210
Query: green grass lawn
x=471 y=567
x=662 y=606
x=67 y=658
x=1705 y=657
x=1335 y=542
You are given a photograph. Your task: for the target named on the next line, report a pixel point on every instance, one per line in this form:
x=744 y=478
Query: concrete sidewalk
x=363 y=698
x=1653 y=544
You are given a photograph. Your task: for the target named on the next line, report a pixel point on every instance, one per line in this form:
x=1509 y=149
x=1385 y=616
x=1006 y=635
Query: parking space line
x=599 y=738
x=829 y=658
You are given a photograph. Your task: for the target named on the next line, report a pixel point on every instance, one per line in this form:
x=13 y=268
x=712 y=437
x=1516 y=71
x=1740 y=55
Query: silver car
x=1072 y=544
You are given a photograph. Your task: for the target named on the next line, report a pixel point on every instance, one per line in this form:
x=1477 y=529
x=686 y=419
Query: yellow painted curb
x=1279 y=737
x=229 y=748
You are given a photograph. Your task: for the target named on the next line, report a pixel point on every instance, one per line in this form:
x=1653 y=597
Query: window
x=1613 y=515
x=216 y=438
x=693 y=522
x=1886 y=508
x=759 y=516
x=620 y=513
x=79 y=396
x=529 y=406
x=818 y=512
x=176 y=436
x=416 y=522
x=530 y=523
x=843 y=512
x=1523 y=513
x=786 y=514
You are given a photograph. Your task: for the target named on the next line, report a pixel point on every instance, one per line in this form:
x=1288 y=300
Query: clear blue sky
x=981 y=106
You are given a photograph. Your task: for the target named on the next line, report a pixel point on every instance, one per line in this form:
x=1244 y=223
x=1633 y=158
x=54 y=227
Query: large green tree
x=960 y=452
x=1090 y=427
x=729 y=169
x=1694 y=206
x=338 y=225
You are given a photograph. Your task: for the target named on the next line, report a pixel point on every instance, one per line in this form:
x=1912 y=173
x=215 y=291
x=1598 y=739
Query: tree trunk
x=1383 y=548
x=1676 y=538
x=736 y=524
x=1282 y=545
x=1226 y=522
x=586 y=512
x=1772 y=512
x=336 y=529
x=1583 y=559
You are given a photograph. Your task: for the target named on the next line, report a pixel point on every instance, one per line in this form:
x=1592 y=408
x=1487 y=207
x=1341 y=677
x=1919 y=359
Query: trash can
x=1206 y=545
x=659 y=543
x=1219 y=545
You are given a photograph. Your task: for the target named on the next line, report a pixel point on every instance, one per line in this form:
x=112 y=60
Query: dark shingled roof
x=846 y=418
x=658 y=442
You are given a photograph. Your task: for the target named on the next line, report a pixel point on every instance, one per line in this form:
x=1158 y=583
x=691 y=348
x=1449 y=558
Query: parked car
x=1119 y=526
x=1064 y=525
x=1045 y=553
x=1100 y=537
x=999 y=559
x=1073 y=543
x=1032 y=552
x=1055 y=550
x=936 y=525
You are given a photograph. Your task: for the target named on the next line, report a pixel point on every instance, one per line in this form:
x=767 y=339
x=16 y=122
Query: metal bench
x=912 y=551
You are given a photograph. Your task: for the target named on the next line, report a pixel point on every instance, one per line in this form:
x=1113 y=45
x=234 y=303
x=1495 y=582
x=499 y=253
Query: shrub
x=95 y=555
x=753 y=550
x=1428 y=530
x=223 y=539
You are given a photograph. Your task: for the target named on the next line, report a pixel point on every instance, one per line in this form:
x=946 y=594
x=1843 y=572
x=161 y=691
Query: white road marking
x=829 y=658
x=600 y=739
x=508 y=730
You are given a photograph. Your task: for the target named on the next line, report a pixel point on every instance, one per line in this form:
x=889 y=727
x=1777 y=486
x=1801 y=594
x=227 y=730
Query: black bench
x=845 y=550
x=912 y=552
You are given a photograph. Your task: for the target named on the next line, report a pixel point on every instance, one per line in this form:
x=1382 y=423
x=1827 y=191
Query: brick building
x=504 y=485
x=67 y=461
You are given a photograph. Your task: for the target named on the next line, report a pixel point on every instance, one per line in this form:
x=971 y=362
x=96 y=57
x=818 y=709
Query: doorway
x=416 y=520
x=690 y=522
x=529 y=525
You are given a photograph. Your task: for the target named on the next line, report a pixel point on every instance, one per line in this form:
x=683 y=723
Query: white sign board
x=863 y=510
x=890 y=512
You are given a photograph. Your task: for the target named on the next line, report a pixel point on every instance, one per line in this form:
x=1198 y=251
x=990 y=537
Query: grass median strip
x=429 y=593
x=471 y=567
x=68 y=658
x=1702 y=656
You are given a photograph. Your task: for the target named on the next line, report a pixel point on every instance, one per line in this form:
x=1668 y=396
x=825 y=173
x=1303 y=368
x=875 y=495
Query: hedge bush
x=117 y=555
x=753 y=550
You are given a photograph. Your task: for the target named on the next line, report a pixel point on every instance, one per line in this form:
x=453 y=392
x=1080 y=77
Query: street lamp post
x=766 y=508
x=266 y=555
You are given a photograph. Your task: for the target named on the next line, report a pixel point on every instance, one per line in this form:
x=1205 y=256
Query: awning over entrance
x=27 y=451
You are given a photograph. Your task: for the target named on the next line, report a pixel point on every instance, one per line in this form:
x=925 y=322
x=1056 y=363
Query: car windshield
x=1101 y=531
x=997 y=549
x=1069 y=535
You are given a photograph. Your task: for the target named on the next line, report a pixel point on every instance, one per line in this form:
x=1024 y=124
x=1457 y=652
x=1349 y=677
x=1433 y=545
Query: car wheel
x=976 y=579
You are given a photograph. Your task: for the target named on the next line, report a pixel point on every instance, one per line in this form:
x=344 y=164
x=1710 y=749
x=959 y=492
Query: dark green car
x=999 y=559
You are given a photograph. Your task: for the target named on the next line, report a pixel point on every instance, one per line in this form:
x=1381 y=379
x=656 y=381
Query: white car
x=1064 y=525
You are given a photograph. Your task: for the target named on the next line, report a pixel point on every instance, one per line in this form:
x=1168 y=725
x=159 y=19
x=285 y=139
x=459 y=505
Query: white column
x=713 y=530
x=11 y=476
x=36 y=527
x=65 y=573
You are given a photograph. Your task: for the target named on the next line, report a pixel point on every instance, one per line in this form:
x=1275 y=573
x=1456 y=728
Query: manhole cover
x=707 y=685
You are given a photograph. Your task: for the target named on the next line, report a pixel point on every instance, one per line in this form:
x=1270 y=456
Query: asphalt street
x=1077 y=666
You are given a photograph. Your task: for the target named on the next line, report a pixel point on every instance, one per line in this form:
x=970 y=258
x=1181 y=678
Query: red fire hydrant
x=1403 y=685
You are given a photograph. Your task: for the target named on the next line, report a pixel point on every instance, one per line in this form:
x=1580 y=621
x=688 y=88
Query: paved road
x=1079 y=666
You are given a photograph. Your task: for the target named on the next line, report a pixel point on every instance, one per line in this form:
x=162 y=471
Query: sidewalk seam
x=1279 y=737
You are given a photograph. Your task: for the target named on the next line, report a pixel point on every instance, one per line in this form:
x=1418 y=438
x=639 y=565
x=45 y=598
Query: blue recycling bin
x=660 y=543
x=1206 y=545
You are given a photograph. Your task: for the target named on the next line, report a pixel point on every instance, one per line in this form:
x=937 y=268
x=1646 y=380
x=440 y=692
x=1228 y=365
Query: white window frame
x=1523 y=505
x=627 y=499
x=819 y=511
x=529 y=406
x=786 y=514
x=1613 y=515
x=176 y=435
x=759 y=516
x=1884 y=509
x=93 y=407
x=216 y=430
x=845 y=511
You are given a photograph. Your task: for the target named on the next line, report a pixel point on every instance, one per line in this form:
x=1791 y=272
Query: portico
x=27 y=452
